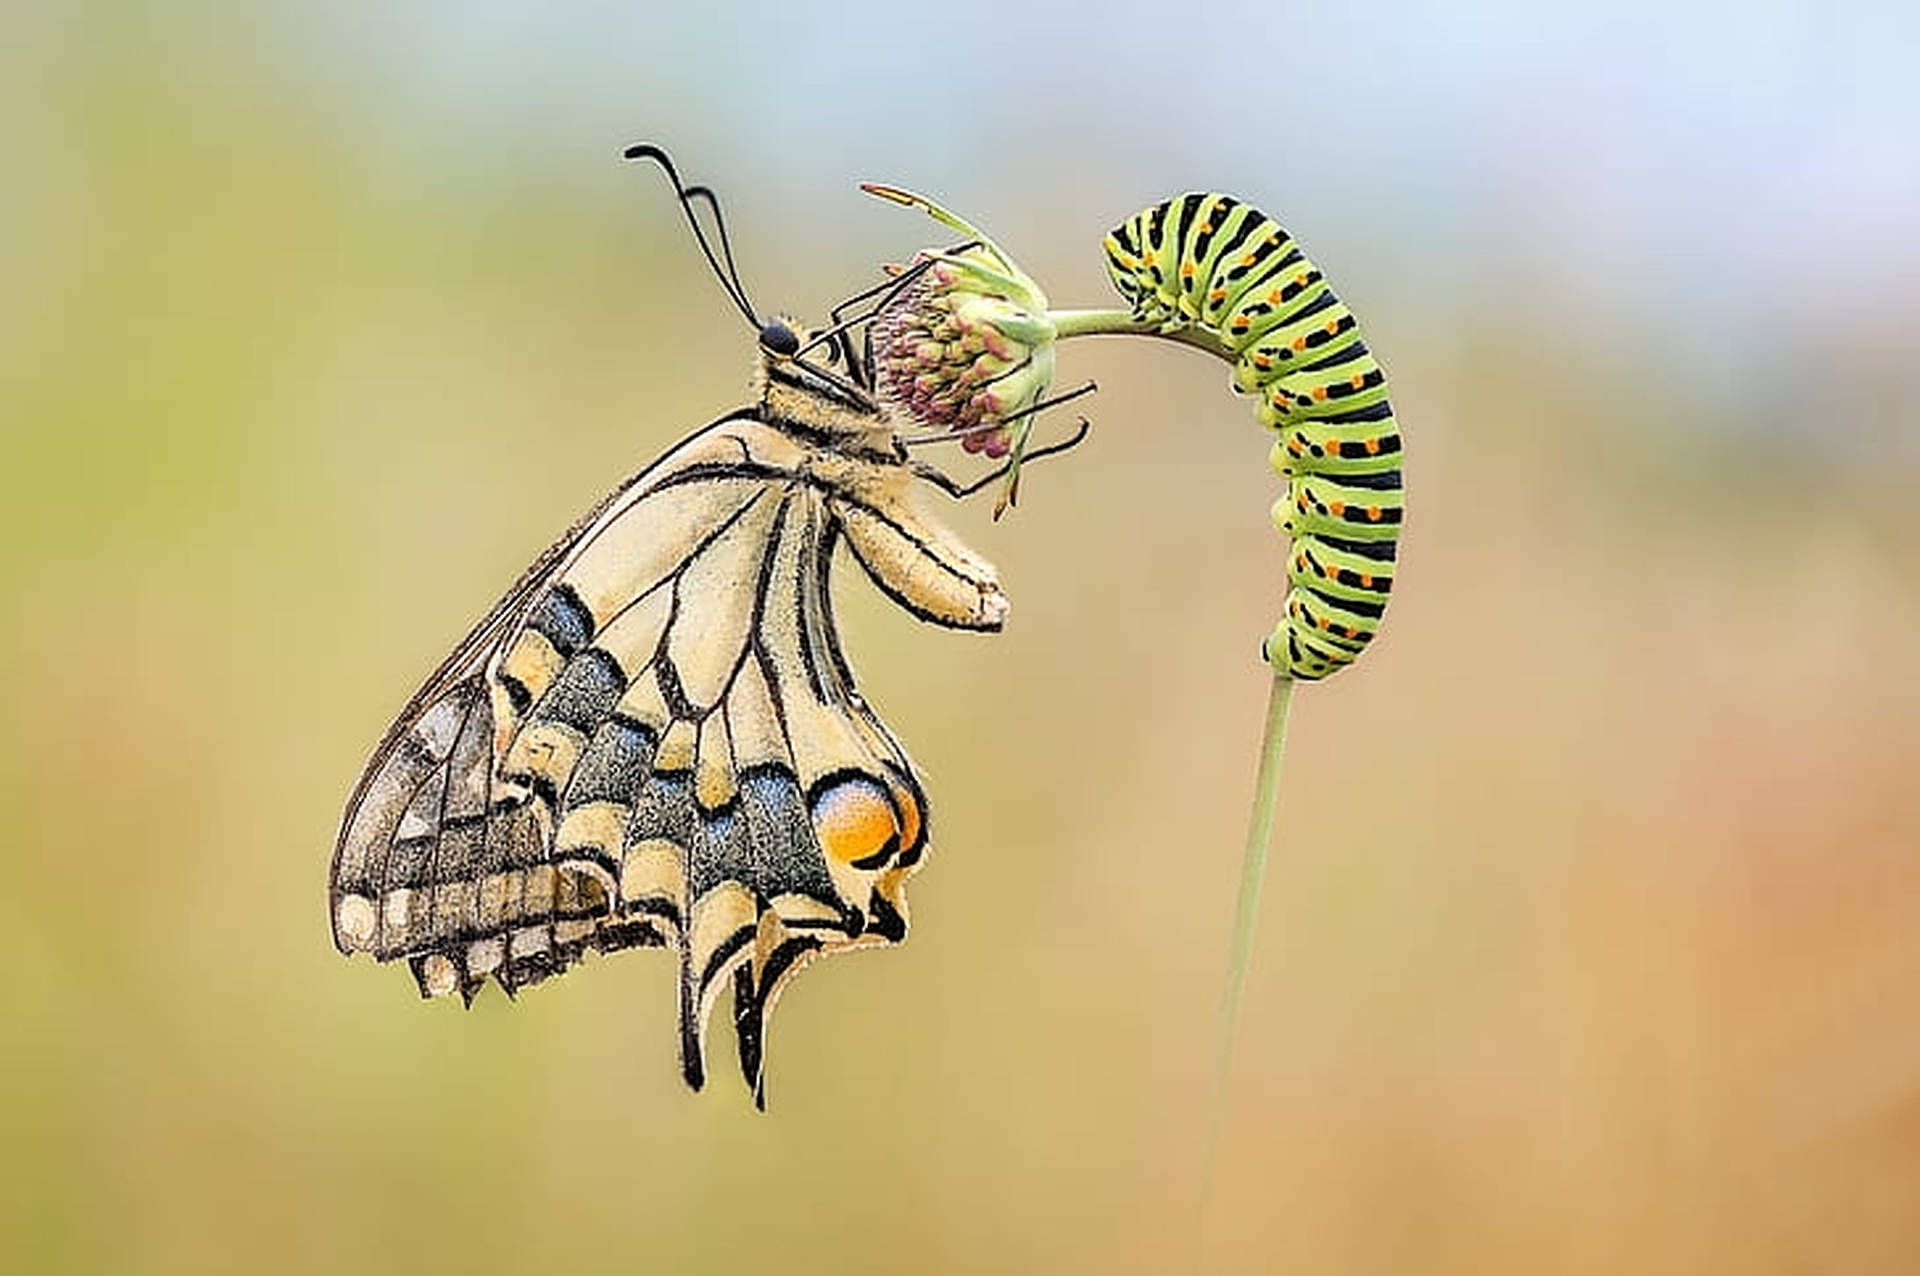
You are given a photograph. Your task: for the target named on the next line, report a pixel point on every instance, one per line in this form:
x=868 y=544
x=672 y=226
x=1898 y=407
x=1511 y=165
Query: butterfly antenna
x=726 y=243
x=728 y=280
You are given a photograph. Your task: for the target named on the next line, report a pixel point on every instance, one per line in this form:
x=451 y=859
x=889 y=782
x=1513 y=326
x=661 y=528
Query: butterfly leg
x=960 y=491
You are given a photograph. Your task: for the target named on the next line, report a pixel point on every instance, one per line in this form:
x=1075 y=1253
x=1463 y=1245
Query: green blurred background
x=1591 y=941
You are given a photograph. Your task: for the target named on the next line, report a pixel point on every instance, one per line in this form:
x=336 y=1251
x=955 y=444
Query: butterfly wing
x=655 y=739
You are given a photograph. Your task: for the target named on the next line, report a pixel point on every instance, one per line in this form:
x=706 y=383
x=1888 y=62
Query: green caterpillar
x=1219 y=273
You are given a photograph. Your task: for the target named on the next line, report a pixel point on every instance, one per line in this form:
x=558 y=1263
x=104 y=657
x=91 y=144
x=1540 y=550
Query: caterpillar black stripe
x=1211 y=264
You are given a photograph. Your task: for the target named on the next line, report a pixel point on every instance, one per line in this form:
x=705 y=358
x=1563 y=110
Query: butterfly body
x=655 y=739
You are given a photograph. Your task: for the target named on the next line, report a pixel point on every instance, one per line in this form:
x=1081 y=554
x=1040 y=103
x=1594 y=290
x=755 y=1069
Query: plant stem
x=1083 y=323
x=1253 y=867
x=1246 y=916
x=1266 y=794
x=1123 y=323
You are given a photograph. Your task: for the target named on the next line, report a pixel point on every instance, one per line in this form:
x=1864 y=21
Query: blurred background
x=1590 y=944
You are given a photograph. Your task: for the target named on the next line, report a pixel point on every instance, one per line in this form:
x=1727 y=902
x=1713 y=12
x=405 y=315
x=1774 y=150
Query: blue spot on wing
x=563 y=619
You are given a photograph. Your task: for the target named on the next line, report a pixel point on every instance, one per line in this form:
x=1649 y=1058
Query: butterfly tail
x=778 y=955
x=693 y=1059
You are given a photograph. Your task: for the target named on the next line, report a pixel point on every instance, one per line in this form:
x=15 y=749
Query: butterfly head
x=777 y=337
x=811 y=378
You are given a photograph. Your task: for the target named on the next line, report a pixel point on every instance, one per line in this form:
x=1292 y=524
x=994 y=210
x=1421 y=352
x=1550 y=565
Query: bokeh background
x=1592 y=943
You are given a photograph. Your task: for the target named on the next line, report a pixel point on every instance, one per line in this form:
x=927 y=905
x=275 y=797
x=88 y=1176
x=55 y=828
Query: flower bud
x=965 y=345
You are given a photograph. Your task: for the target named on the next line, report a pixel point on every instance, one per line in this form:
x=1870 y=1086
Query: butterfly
x=654 y=739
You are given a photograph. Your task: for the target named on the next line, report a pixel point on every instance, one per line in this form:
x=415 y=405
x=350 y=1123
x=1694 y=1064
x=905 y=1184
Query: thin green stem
x=1266 y=796
x=1253 y=867
x=1246 y=916
x=1084 y=323
x=1124 y=323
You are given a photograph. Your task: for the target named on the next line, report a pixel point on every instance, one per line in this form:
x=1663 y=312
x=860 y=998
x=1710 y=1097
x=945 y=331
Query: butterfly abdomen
x=1209 y=262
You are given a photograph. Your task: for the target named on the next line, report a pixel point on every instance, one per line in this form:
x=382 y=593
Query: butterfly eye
x=777 y=338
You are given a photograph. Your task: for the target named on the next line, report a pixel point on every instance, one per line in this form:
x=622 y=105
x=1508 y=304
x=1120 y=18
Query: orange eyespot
x=1333 y=327
x=1299 y=343
x=1373 y=447
x=1373 y=513
x=854 y=820
x=1337 y=508
x=1319 y=392
x=1359 y=380
x=1366 y=582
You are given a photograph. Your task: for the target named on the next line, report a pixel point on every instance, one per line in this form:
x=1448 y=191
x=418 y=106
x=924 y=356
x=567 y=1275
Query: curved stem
x=1124 y=323
x=1246 y=916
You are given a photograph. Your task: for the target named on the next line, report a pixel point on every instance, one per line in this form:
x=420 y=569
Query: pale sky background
x=1720 y=188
